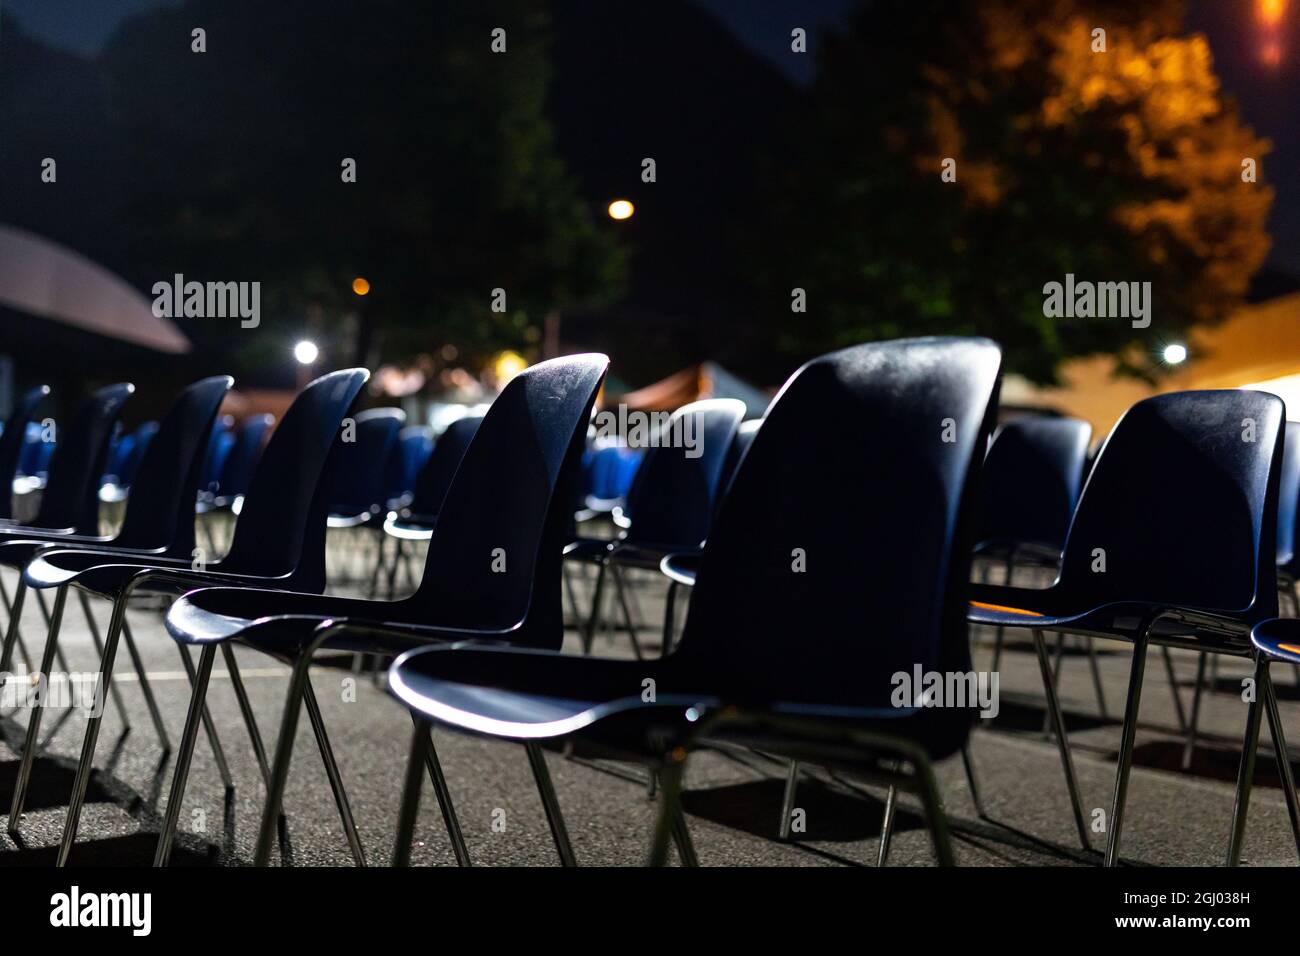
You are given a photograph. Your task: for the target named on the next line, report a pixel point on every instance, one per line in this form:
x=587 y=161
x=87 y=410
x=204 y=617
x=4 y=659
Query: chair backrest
x=273 y=524
x=358 y=482
x=435 y=477
x=841 y=552
x=220 y=443
x=242 y=460
x=735 y=454
x=160 y=509
x=414 y=446
x=141 y=439
x=1288 y=497
x=35 y=457
x=672 y=498
x=495 y=559
x=71 y=496
x=11 y=443
x=1181 y=507
x=1031 y=482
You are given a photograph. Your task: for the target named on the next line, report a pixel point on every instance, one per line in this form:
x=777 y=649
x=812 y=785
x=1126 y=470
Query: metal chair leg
x=441 y=791
x=209 y=727
x=1096 y=677
x=1173 y=688
x=968 y=762
x=670 y=618
x=887 y=826
x=670 y=780
x=280 y=766
x=410 y=810
x=619 y=588
x=241 y=695
x=66 y=668
x=787 y=800
x=935 y=818
x=682 y=836
x=1127 y=738
x=589 y=635
x=1189 y=748
x=34 y=718
x=1246 y=769
x=552 y=807
x=84 y=765
x=98 y=642
x=181 y=773
x=332 y=772
x=1283 y=757
x=571 y=594
x=1058 y=656
x=1062 y=739
x=11 y=632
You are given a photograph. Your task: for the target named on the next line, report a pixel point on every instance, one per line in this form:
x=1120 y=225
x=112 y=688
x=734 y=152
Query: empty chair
x=279 y=540
x=124 y=462
x=1172 y=543
x=493 y=571
x=610 y=470
x=34 y=461
x=799 y=611
x=414 y=446
x=359 y=491
x=220 y=444
x=415 y=523
x=70 y=500
x=670 y=504
x=12 y=443
x=159 y=519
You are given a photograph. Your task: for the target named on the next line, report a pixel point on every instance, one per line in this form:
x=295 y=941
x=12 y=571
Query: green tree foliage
x=1123 y=165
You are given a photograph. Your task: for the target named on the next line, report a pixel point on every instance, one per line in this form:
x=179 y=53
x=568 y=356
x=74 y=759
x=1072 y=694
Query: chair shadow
x=51 y=783
x=1024 y=717
x=136 y=849
x=1208 y=762
x=830 y=815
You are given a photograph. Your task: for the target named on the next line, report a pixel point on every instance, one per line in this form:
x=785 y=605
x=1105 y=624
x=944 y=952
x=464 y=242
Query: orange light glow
x=360 y=286
x=1270 y=54
x=1270 y=12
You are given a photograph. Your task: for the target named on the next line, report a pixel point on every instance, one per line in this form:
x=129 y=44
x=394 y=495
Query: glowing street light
x=1270 y=12
x=306 y=352
x=1175 y=354
x=621 y=209
x=360 y=286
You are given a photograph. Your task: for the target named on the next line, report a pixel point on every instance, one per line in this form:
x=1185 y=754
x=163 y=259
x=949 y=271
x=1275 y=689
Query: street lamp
x=1175 y=354
x=621 y=209
x=306 y=352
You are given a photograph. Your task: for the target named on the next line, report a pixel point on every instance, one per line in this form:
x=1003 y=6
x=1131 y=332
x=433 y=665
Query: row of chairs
x=819 y=572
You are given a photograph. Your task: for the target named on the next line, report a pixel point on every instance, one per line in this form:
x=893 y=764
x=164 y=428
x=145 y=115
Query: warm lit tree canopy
x=1117 y=165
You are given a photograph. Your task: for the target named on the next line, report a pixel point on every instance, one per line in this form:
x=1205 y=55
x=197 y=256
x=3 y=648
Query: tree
x=1122 y=165
x=237 y=170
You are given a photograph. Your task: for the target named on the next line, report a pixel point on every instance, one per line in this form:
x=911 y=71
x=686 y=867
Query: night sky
x=1266 y=93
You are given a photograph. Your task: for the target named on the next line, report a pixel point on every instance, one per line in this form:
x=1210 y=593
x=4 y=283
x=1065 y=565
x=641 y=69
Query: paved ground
x=733 y=800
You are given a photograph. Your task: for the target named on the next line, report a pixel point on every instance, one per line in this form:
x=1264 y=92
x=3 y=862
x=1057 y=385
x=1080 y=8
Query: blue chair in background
x=359 y=495
x=1141 y=565
x=13 y=445
x=414 y=446
x=802 y=615
x=123 y=462
x=492 y=572
x=34 y=461
x=221 y=495
x=669 y=506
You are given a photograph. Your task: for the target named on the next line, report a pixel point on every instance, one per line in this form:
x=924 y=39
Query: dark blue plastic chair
x=34 y=461
x=279 y=541
x=220 y=444
x=123 y=463
x=416 y=521
x=414 y=446
x=1171 y=575
x=12 y=444
x=158 y=519
x=802 y=614
x=669 y=506
x=492 y=571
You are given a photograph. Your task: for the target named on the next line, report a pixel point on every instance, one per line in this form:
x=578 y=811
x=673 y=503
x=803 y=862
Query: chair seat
x=647 y=556
x=410 y=527
x=681 y=567
x=218 y=614
x=1279 y=638
x=18 y=554
x=511 y=693
x=108 y=574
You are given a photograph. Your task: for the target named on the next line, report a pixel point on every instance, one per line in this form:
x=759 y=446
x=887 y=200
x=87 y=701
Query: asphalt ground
x=732 y=799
